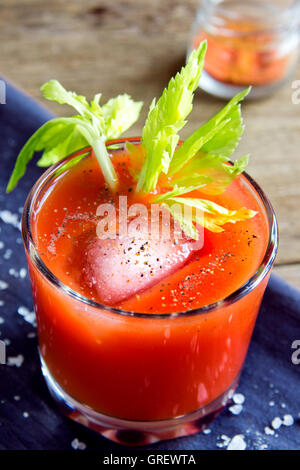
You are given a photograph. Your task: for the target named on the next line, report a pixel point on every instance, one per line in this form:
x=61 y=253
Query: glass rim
x=286 y=16
x=253 y=281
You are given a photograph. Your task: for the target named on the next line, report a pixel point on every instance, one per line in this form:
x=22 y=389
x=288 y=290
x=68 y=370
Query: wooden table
x=135 y=46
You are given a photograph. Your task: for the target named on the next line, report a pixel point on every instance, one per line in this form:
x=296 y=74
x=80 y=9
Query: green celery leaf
x=212 y=166
x=215 y=216
x=120 y=113
x=71 y=163
x=166 y=118
x=179 y=190
x=62 y=136
x=55 y=145
x=34 y=144
x=54 y=91
x=177 y=211
x=226 y=140
x=219 y=135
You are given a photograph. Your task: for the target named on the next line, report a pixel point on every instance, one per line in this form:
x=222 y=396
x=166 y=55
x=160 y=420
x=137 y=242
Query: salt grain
x=238 y=398
x=237 y=443
x=288 y=420
x=23 y=273
x=3 y=285
x=7 y=253
x=32 y=334
x=77 y=445
x=225 y=441
x=10 y=218
x=1 y=320
x=269 y=431
x=235 y=409
x=276 y=423
x=16 y=361
x=26 y=414
x=13 y=272
x=27 y=315
x=206 y=431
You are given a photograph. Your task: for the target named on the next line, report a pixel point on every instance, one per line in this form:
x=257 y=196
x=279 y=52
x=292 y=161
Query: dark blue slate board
x=269 y=376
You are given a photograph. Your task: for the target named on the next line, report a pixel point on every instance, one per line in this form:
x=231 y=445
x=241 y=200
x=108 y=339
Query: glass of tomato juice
x=156 y=365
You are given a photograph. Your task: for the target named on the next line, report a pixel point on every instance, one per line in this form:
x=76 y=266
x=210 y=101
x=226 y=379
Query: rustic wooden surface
x=134 y=46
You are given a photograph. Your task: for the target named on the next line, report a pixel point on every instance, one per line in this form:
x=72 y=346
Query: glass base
x=135 y=433
x=227 y=91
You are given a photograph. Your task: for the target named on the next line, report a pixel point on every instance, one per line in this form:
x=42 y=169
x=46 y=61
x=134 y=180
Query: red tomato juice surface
x=146 y=367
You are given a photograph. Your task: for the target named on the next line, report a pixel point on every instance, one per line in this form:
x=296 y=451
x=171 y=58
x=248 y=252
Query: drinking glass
x=138 y=378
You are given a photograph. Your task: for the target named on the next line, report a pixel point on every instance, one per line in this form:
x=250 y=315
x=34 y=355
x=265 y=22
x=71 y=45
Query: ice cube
x=122 y=267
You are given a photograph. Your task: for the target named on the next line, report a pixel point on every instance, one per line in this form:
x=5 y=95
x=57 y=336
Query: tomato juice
x=153 y=353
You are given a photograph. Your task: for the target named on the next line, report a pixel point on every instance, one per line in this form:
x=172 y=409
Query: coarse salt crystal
x=206 y=431
x=237 y=443
x=3 y=285
x=15 y=361
x=13 y=272
x=225 y=441
x=269 y=431
x=276 y=423
x=235 y=409
x=288 y=420
x=238 y=398
x=27 y=315
x=10 y=218
x=22 y=273
x=77 y=445
x=7 y=253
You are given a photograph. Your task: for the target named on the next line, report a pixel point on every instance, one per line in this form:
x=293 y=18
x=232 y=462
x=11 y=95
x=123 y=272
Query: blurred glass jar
x=250 y=42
